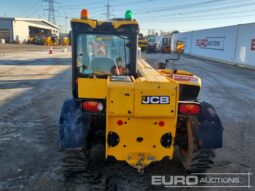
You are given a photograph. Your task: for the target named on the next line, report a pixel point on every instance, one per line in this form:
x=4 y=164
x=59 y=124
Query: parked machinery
x=52 y=40
x=65 y=41
x=142 y=42
x=165 y=45
x=180 y=46
x=152 y=44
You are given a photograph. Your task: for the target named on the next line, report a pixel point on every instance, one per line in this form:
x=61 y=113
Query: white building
x=19 y=29
x=231 y=44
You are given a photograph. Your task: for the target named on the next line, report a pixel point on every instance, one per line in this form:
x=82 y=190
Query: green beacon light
x=128 y=15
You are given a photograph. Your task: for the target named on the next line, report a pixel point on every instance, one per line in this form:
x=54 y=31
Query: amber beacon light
x=84 y=14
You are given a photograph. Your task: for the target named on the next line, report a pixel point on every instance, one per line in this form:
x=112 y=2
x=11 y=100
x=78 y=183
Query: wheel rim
x=186 y=154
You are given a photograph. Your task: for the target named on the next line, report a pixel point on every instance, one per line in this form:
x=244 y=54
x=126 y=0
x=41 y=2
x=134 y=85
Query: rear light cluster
x=189 y=108
x=92 y=106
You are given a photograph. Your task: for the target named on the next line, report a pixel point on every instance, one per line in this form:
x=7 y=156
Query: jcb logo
x=155 y=100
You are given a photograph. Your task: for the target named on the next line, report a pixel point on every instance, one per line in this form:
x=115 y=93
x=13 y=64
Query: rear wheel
x=77 y=137
x=193 y=158
x=97 y=154
x=75 y=162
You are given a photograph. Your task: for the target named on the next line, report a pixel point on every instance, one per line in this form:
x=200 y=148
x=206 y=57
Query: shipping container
x=245 y=49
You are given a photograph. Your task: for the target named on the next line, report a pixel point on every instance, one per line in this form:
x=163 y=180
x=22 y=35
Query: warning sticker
x=185 y=78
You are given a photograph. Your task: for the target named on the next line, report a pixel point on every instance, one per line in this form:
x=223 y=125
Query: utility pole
x=66 y=17
x=51 y=10
x=108 y=6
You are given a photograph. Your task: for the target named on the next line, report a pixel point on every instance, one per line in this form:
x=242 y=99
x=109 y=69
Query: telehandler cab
x=139 y=114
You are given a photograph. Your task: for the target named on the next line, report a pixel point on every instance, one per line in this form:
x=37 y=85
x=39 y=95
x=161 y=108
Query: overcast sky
x=166 y=15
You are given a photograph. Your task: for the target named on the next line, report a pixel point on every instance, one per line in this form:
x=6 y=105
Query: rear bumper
x=140 y=141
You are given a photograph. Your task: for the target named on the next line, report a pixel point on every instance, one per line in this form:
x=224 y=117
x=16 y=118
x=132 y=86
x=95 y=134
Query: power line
x=179 y=7
x=73 y=7
x=203 y=16
x=212 y=18
x=139 y=2
x=79 y=7
x=217 y=18
x=183 y=7
x=205 y=10
x=32 y=8
x=83 y=4
x=36 y=9
x=95 y=5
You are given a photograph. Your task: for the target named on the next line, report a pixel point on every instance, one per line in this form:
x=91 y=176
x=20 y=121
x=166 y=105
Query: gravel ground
x=33 y=86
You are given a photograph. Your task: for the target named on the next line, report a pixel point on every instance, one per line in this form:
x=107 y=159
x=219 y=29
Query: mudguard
x=209 y=130
x=74 y=126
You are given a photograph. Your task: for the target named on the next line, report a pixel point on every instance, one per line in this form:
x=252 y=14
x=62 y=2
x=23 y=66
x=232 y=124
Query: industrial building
x=14 y=29
x=231 y=44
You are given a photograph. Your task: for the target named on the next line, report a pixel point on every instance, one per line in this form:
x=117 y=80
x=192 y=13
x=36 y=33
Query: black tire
x=74 y=132
x=193 y=158
x=97 y=155
x=97 y=152
x=74 y=162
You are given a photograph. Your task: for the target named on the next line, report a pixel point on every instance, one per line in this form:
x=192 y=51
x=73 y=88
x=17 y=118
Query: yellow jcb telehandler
x=136 y=113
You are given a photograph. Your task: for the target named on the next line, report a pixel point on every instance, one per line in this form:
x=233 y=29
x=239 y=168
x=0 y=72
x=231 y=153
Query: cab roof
x=115 y=23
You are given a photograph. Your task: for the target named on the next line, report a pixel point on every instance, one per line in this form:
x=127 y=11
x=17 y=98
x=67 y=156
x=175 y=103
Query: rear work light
x=189 y=108
x=92 y=106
